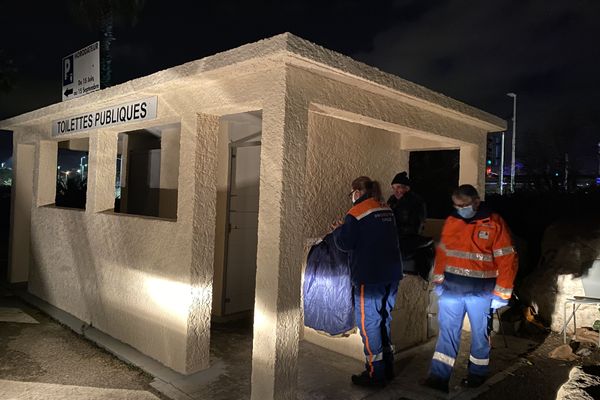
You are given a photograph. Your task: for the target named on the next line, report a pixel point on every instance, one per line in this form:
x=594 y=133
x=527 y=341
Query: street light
x=514 y=142
x=599 y=159
x=502 y=165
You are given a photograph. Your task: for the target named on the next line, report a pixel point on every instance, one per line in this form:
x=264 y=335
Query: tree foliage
x=7 y=70
x=103 y=16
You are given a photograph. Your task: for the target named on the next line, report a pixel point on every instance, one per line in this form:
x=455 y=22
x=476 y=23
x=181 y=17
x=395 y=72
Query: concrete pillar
x=280 y=249
x=19 y=255
x=169 y=172
x=102 y=170
x=203 y=171
x=470 y=167
x=44 y=185
x=169 y=158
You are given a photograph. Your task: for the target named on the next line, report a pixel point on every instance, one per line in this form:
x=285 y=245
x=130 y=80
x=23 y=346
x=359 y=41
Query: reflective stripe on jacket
x=478 y=249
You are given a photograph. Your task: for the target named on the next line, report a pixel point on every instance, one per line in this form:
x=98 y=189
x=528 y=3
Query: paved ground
x=41 y=359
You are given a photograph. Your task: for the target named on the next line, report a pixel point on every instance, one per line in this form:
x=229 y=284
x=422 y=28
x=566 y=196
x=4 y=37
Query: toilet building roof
x=286 y=48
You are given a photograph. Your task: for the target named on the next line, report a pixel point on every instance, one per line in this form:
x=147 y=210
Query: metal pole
x=514 y=142
x=599 y=159
x=566 y=183
x=501 y=174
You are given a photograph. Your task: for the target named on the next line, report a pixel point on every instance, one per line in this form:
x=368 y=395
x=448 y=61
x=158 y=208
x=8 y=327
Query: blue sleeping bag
x=328 y=300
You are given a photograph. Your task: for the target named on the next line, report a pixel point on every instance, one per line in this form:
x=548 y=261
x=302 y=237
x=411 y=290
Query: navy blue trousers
x=373 y=304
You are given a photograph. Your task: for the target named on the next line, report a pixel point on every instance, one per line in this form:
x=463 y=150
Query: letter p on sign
x=67 y=70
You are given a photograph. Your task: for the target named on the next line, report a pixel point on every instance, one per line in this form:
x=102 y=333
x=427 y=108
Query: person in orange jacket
x=475 y=266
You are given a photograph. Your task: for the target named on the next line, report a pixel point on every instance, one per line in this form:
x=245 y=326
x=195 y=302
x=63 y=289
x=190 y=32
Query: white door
x=243 y=227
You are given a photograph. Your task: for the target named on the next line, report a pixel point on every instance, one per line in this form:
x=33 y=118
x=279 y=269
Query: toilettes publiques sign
x=135 y=111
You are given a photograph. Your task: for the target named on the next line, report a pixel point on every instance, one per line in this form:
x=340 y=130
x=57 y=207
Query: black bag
x=418 y=255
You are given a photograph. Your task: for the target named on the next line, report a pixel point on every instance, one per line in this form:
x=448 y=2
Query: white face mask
x=466 y=212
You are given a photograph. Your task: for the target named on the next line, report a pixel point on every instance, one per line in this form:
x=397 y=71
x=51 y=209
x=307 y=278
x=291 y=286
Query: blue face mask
x=466 y=212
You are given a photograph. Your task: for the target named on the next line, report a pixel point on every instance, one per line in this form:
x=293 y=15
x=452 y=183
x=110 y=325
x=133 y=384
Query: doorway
x=242 y=213
x=434 y=174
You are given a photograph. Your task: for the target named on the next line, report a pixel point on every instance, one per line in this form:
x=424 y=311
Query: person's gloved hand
x=438 y=289
x=498 y=302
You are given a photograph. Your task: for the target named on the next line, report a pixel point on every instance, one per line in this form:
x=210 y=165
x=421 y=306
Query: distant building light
x=556 y=174
x=79 y=171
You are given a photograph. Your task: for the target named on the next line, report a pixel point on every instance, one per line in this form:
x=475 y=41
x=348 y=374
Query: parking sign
x=81 y=72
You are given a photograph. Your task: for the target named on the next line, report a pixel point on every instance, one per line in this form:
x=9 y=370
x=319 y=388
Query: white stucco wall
x=22 y=195
x=144 y=281
x=338 y=152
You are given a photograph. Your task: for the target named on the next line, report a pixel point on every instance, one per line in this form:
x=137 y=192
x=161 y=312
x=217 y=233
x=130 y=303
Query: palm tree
x=7 y=69
x=103 y=16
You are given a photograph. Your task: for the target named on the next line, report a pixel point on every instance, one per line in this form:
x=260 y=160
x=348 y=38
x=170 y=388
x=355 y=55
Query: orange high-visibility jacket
x=478 y=248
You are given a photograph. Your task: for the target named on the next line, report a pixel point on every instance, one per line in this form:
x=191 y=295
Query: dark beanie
x=401 y=178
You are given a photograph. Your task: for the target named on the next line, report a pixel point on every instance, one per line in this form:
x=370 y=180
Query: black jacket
x=410 y=212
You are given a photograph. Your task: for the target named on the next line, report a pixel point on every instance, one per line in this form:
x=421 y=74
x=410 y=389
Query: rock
x=563 y=352
x=579 y=386
x=584 y=352
x=569 y=249
x=587 y=335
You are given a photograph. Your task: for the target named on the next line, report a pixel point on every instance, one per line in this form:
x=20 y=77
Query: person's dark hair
x=466 y=191
x=370 y=187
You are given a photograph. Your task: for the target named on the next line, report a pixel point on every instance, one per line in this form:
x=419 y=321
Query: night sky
x=475 y=51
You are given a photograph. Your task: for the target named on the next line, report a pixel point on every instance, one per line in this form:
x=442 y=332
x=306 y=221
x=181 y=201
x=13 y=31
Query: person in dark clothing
x=409 y=208
x=368 y=234
x=410 y=213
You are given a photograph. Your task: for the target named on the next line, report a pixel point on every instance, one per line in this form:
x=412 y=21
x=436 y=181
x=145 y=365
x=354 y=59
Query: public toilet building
x=199 y=187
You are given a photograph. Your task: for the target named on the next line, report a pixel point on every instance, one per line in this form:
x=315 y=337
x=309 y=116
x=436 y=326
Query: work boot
x=365 y=379
x=388 y=361
x=437 y=383
x=473 y=381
